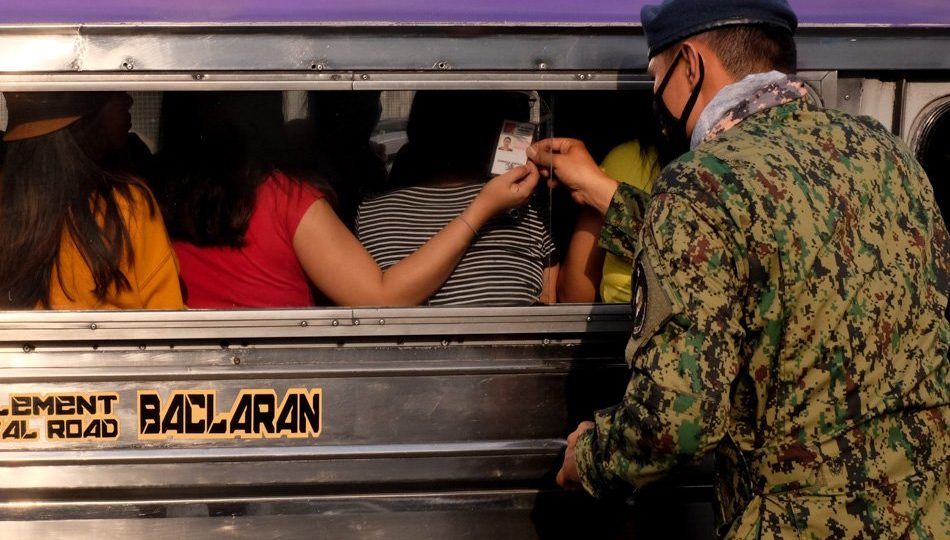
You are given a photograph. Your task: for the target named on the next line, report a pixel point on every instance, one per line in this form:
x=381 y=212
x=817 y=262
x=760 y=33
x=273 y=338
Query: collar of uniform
x=743 y=98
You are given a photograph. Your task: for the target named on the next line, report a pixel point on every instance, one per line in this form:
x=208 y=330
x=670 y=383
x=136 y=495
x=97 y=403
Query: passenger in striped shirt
x=438 y=174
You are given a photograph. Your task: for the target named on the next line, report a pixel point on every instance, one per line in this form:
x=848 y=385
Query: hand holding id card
x=513 y=143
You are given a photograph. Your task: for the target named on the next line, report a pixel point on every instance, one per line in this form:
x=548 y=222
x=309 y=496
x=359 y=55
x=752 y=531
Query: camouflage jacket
x=790 y=297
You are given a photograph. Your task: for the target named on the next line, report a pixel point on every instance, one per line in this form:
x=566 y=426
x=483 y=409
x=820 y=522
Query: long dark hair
x=334 y=143
x=462 y=147
x=217 y=148
x=50 y=186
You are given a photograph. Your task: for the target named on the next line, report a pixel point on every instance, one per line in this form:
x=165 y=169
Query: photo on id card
x=513 y=142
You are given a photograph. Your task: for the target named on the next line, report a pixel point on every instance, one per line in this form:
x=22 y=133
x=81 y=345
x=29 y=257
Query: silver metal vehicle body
x=407 y=423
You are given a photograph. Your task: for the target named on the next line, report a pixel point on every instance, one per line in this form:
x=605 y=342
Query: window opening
x=934 y=154
x=601 y=119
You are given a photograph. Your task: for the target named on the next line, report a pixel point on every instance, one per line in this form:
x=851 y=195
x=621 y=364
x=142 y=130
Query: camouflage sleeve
x=623 y=220
x=684 y=351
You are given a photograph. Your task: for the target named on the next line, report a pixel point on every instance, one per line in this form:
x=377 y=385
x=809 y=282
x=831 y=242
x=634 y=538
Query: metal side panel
x=272 y=56
x=284 y=415
x=316 y=48
x=336 y=423
x=100 y=406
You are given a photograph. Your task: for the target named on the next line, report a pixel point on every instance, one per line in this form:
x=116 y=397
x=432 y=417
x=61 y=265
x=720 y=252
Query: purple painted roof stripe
x=892 y=12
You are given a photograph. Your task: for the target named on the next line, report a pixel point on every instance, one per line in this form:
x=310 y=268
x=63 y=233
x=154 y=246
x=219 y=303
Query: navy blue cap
x=675 y=20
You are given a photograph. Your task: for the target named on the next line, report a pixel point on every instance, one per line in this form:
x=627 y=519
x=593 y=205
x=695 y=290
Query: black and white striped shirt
x=504 y=265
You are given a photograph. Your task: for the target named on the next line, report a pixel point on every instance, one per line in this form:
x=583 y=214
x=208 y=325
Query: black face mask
x=674 y=129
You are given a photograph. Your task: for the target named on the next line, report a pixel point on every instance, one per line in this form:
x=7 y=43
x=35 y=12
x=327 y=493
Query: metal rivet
x=356 y=322
x=235 y=360
x=445 y=343
x=542 y=65
x=27 y=348
x=382 y=321
x=589 y=318
x=141 y=347
x=198 y=76
x=304 y=324
x=442 y=64
x=128 y=64
x=335 y=323
x=847 y=97
x=545 y=341
x=364 y=77
x=93 y=326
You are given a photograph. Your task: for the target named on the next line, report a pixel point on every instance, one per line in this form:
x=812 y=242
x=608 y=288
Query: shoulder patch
x=639 y=298
x=649 y=303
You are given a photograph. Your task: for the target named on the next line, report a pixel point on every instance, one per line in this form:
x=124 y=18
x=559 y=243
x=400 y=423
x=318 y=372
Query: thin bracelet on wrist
x=469 y=225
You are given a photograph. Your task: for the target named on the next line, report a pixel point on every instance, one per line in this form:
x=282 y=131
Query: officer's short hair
x=751 y=48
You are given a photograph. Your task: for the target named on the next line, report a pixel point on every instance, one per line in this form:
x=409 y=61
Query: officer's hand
x=567 y=477
x=575 y=169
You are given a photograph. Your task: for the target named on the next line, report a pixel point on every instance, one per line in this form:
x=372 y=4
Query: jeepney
x=378 y=423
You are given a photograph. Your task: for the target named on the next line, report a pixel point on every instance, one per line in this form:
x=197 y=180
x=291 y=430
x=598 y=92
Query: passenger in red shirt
x=249 y=235
x=264 y=272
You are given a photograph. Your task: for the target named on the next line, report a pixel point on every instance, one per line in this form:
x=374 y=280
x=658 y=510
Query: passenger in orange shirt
x=72 y=234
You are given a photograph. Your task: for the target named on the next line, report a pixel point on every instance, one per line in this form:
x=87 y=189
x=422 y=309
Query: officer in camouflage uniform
x=790 y=300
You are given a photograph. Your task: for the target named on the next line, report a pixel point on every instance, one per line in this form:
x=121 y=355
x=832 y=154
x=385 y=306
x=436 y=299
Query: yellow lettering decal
x=254 y=414
x=62 y=417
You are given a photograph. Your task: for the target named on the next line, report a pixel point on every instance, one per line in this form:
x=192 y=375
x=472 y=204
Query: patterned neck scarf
x=737 y=101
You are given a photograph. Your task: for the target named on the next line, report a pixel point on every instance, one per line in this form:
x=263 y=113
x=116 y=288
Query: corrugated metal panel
x=422 y=11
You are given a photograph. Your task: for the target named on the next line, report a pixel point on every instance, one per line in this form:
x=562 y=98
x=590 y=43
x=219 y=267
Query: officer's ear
x=691 y=59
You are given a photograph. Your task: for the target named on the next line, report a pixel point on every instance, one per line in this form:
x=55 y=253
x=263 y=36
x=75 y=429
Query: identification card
x=513 y=143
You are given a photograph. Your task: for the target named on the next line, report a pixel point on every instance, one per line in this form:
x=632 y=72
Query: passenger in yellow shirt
x=73 y=235
x=587 y=268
